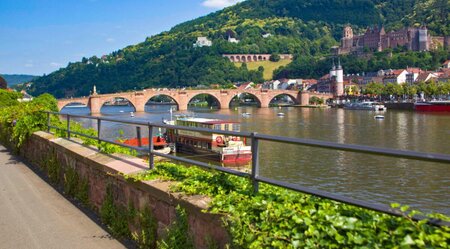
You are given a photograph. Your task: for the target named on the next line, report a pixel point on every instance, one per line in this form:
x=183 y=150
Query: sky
x=40 y=36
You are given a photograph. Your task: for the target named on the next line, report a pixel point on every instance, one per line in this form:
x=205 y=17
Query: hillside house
x=202 y=42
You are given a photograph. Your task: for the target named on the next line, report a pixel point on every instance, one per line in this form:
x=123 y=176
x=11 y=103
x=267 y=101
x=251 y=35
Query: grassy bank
x=268 y=66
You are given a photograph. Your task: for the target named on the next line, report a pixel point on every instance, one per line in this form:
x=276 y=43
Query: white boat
x=379 y=117
x=75 y=106
x=368 y=105
x=131 y=114
x=280 y=114
x=225 y=148
x=246 y=114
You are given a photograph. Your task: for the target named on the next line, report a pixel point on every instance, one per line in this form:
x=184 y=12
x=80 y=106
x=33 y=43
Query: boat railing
x=255 y=139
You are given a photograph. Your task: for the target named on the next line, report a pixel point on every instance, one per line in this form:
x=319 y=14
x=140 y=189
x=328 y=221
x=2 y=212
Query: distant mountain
x=14 y=79
x=305 y=28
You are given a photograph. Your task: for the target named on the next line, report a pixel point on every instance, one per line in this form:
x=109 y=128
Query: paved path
x=34 y=215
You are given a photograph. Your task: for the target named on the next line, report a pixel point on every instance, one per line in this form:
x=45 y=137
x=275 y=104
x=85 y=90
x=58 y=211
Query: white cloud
x=219 y=3
x=29 y=65
x=110 y=40
x=55 y=64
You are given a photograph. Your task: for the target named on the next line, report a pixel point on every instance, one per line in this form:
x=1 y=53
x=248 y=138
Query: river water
x=422 y=185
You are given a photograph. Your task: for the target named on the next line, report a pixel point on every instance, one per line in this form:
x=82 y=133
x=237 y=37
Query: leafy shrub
x=20 y=120
x=280 y=218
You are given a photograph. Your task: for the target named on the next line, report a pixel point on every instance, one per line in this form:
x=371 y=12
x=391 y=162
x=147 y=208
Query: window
x=217 y=127
x=236 y=127
x=227 y=127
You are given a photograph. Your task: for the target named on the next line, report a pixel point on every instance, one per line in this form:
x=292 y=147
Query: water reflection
x=372 y=178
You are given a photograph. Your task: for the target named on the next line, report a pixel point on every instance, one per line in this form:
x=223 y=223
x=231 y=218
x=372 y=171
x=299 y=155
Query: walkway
x=34 y=215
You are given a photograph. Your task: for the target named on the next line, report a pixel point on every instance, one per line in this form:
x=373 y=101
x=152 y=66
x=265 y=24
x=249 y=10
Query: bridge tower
x=339 y=89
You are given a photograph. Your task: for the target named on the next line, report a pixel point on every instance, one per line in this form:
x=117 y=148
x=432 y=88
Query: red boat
x=433 y=106
x=159 y=143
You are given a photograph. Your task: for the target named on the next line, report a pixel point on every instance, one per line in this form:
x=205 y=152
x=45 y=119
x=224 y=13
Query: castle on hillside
x=377 y=39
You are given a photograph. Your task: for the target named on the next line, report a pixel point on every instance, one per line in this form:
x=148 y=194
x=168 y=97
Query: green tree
x=274 y=57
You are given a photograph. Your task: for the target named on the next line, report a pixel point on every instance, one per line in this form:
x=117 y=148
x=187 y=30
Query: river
x=422 y=185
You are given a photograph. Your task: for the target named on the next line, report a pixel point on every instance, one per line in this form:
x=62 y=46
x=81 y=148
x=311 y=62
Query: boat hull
x=432 y=107
x=243 y=157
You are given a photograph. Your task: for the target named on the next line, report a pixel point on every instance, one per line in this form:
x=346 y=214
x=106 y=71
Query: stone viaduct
x=182 y=97
x=254 y=57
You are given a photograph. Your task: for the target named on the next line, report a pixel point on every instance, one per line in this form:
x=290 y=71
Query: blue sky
x=40 y=36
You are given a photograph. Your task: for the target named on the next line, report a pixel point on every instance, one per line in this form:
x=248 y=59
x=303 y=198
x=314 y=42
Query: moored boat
x=433 y=106
x=368 y=105
x=224 y=148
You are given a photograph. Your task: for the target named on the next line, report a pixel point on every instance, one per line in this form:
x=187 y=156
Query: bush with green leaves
x=280 y=218
x=20 y=120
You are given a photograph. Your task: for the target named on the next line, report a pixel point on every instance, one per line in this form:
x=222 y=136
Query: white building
x=232 y=39
x=202 y=42
x=446 y=64
x=395 y=77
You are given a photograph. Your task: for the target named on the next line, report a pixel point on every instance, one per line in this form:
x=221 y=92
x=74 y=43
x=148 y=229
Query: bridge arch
x=279 y=96
x=212 y=96
x=116 y=101
x=242 y=95
x=167 y=96
x=65 y=103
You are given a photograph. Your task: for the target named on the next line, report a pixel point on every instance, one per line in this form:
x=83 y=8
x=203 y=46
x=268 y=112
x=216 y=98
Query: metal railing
x=254 y=174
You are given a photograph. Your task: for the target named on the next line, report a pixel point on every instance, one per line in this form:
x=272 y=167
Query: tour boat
x=433 y=106
x=159 y=144
x=227 y=149
x=368 y=105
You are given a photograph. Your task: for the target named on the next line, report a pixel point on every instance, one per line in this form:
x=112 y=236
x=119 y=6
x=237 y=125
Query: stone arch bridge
x=182 y=97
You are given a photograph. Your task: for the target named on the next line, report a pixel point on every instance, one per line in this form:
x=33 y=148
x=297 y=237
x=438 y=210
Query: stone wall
x=103 y=170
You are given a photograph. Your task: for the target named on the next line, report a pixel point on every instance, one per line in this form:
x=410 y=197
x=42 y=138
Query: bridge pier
x=139 y=102
x=303 y=98
x=95 y=104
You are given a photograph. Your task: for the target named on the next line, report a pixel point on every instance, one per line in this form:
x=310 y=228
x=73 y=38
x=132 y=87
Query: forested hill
x=305 y=28
x=14 y=79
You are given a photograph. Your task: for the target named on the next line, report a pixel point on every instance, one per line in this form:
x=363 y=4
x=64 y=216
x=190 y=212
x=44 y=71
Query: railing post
x=99 y=128
x=68 y=126
x=138 y=135
x=150 y=147
x=255 y=162
x=48 y=122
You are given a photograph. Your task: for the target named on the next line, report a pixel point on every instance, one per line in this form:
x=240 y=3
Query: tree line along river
x=422 y=185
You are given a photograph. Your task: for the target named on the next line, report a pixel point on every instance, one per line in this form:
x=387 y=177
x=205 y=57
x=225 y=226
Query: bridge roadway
x=182 y=97
x=34 y=215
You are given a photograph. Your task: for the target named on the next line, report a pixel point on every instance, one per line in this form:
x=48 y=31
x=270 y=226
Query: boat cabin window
x=236 y=127
x=227 y=127
x=217 y=127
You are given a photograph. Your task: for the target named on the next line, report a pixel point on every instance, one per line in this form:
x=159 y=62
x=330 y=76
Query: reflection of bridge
x=182 y=97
